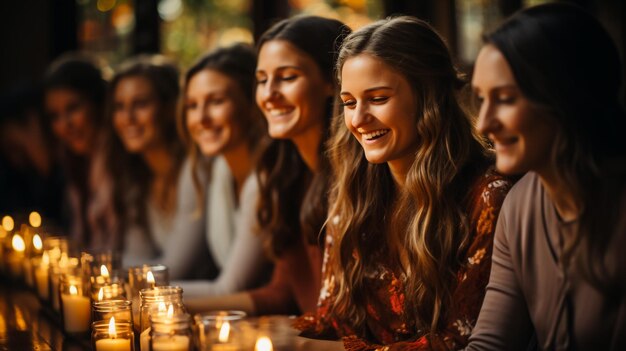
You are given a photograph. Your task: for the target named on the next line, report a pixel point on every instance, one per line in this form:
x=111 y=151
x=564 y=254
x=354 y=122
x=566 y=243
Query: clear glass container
x=139 y=278
x=104 y=310
x=112 y=335
x=170 y=332
x=65 y=265
x=158 y=301
x=75 y=304
x=218 y=328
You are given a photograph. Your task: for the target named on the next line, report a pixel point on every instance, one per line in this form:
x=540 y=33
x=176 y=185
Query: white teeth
x=276 y=112
x=375 y=134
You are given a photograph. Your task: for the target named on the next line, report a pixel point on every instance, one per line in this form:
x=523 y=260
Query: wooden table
x=25 y=325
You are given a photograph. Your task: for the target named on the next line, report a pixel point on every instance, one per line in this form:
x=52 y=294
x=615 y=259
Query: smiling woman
x=153 y=201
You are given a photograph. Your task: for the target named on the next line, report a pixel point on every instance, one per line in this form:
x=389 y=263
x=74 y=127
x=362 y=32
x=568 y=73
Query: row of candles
x=92 y=295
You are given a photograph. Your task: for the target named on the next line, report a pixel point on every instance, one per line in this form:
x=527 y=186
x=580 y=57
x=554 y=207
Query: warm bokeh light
x=45 y=259
x=34 y=218
x=101 y=294
x=37 y=243
x=170 y=311
x=263 y=344
x=18 y=243
x=105 y=5
x=104 y=271
x=7 y=223
x=224 y=332
x=73 y=290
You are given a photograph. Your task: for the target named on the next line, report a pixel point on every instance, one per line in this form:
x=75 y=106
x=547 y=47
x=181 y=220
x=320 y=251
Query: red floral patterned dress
x=388 y=326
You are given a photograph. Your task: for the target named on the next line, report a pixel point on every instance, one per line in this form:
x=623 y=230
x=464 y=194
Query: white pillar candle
x=170 y=343
x=41 y=277
x=76 y=311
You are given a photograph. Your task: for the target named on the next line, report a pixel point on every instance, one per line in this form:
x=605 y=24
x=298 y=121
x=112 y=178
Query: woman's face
x=135 y=110
x=291 y=90
x=380 y=110
x=72 y=117
x=522 y=134
x=214 y=107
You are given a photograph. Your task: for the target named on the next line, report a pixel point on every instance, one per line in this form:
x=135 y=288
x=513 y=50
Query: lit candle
x=263 y=344
x=112 y=343
x=15 y=258
x=223 y=338
x=76 y=311
x=41 y=276
x=170 y=342
x=150 y=279
x=34 y=219
x=7 y=223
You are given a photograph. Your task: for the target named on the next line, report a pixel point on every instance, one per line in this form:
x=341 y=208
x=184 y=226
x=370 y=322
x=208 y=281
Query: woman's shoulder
x=492 y=187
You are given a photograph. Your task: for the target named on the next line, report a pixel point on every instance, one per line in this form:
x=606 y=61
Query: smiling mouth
x=376 y=134
x=279 y=112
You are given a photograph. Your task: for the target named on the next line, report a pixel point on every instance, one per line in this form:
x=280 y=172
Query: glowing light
x=7 y=223
x=170 y=311
x=105 y=5
x=73 y=290
x=224 y=332
x=161 y=307
x=37 y=243
x=169 y=10
x=112 y=331
x=45 y=259
x=18 y=243
x=34 y=219
x=104 y=271
x=263 y=344
x=101 y=294
x=150 y=278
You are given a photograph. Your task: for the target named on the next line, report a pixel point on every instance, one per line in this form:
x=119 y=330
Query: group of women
x=343 y=176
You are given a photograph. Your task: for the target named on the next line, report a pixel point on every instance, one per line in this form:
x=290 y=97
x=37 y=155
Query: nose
x=486 y=120
x=205 y=115
x=268 y=90
x=359 y=115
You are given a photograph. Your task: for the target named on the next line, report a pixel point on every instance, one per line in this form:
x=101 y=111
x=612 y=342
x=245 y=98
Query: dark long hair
x=426 y=220
x=566 y=64
x=239 y=63
x=292 y=199
x=131 y=175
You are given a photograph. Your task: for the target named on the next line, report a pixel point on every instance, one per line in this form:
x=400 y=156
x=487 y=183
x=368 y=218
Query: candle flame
x=170 y=311
x=18 y=243
x=73 y=290
x=7 y=223
x=35 y=219
x=37 y=243
x=45 y=259
x=112 y=331
x=150 y=278
x=104 y=271
x=224 y=332
x=161 y=307
x=263 y=344
x=101 y=294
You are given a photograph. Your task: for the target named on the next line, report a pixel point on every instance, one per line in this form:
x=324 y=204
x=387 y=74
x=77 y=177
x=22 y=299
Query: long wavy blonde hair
x=425 y=222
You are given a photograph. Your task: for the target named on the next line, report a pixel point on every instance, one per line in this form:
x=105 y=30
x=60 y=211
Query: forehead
x=133 y=84
x=365 y=71
x=210 y=80
x=279 y=53
x=492 y=68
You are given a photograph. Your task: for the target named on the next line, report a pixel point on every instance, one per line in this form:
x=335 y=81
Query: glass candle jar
x=170 y=332
x=75 y=304
x=110 y=285
x=221 y=328
x=65 y=265
x=144 y=277
x=55 y=246
x=158 y=301
x=41 y=270
x=104 y=310
x=112 y=336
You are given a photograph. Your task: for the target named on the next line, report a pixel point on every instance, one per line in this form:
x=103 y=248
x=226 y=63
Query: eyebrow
x=282 y=68
x=369 y=90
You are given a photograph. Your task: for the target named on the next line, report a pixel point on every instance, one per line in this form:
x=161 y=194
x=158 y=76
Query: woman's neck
x=308 y=146
x=239 y=161
x=399 y=169
x=562 y=197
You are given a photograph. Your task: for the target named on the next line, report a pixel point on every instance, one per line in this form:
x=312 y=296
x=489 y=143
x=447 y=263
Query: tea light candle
x=76 y=311
x=112 y=343
x=171 y=343
x=41 y=276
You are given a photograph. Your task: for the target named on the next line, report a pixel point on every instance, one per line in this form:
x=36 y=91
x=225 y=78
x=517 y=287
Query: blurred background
x=35 y=32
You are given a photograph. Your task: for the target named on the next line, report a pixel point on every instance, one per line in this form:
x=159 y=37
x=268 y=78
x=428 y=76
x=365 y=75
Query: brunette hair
x=578 y=88
x=130 y=173
x=238 y=62
x=425 y=221
x=293 y=200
